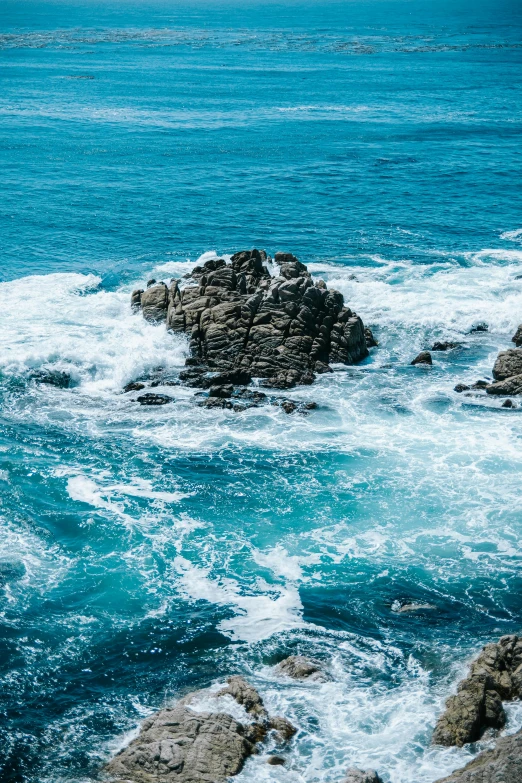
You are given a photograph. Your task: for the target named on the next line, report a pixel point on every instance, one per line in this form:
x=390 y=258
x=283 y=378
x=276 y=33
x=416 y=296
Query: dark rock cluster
x=496 y=675
x=240 y=319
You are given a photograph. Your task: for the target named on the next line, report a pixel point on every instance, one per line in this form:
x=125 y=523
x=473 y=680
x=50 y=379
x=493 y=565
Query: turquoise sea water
x=145 y=552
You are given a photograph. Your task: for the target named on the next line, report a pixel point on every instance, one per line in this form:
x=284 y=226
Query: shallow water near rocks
x=149 y=551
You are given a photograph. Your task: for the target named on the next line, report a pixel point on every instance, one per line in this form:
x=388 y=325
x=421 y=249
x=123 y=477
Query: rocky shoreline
x=202 y=739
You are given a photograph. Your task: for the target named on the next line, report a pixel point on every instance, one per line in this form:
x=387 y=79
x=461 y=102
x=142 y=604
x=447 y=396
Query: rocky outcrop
x=283 y=329
x=496 y=675
x=508 y=364
x=360 y=776
x=503 y=764
x=180 y=744
x=444 y=346
x=517 y=337
x=301 y=668
x=511 y=385
x=424 y=357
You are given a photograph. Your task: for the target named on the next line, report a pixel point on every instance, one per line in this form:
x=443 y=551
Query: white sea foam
x=270 y=610
x=512 y=235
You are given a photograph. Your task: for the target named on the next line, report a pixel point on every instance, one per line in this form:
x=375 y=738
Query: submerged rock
x=503 y=764
x=424 y=357
x=482 y=326
x=411 y=607
x=155 y=399
x=282 y=329
x=57 y=378
x=371 y=342
x=508 y=404
x=301 y=668
x=496 y=675
x=444 y=346
x=461 y=387
x=134 y=386
x=181 y=745
x=275 y=761
x=359 y=776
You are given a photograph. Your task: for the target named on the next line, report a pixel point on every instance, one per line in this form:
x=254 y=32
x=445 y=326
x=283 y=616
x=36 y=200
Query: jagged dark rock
x=154 y=399
x=182 y=745
x=461 y=387
x=496 y=675
x=508 y=404
x=479 y=385
x=371 y=342
x=517 y=337
x=503 y=764
x=275 y=761
x=301 y=668
x=424 y=357
x=482 y=326
x=508 y=363
x=57 y=378
x=444 y=346
x=134 y=386
x=240 y=319
x=283 y=728
x=360 y=776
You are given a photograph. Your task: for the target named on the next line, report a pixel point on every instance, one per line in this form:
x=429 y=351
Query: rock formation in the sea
x=517 y=337
x=298 y=667
x=507 y=373
x=424 y=357
x=496 y=675
x=183 y=745
x=360 y=776
x=283 y=329
x=503 y=764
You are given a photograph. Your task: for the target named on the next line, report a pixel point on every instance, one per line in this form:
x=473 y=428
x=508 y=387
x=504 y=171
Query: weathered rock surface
x=424 y=357
x=509 y=386
x=239 y=318
x=444 y=346
x=508 y=363
x=517 y=337
x=360 y=776
x=181 y=745
x=62 y=380
x=503 y=764
x=301 y=668
x=496 y=675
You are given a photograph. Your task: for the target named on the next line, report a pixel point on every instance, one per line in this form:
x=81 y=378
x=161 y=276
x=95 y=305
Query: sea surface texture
x=146 y=552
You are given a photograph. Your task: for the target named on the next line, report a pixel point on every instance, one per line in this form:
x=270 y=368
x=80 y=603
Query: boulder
x=517 y=337
x=133 y=386
x=180 y=744
x=510 y=386
x=508 y=363
x=242 y=320
x=359 y=776
x=482 y=326
x=424 y=357
x=301 y=668
x=494 y=676
x=508 y=404
x=371 y=342
x=503 y=764
x=275 y=761
x=461 y=387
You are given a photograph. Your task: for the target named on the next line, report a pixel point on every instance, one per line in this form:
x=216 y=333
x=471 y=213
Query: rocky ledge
x=186 y=744
x=496 y=675
x=283 y=329
x=503 y=764
x=507 y=374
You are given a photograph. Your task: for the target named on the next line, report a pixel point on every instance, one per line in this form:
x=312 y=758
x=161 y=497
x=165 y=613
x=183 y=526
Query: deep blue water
x=144 y=552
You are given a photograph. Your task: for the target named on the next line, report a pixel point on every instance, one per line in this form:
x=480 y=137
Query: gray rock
x=359 y=776
x=461 y=387
x=510 y=386
x=508 y=404
x=301 y=668
x=154 y=303
x=133 y=386
x=283 y=728
x=424 y=357
x=508 y=363
x=371 y=342
x=61 y=380
x=180 y=745
x=503 y=764
x=275 y=761
x=444 y=346
x=480 y=327
x=517 y=337
x=494 y=676
x=242 y=320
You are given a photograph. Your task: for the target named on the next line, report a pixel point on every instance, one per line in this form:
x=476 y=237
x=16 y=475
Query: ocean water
x=147 y=552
